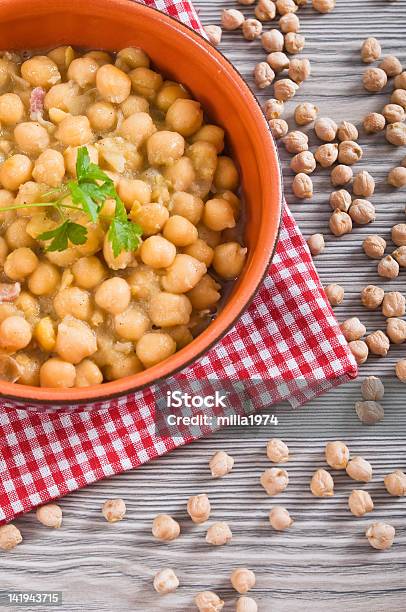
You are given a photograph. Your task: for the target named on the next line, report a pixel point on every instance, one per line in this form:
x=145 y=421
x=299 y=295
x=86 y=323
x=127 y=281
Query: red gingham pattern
x=288 y=335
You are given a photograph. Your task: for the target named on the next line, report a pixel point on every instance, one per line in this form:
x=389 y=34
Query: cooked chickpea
x=274 y=480
x=280 y=518
x=360 y=502
x=113 y=295
x=75 y=340
x=205 y=294
x=137 y=128
x=219 y=534
x=113 y=84
x=73 y=301
x=49 y=515
x=122 y=366
x=165 y=581
x=158 y=252
x=102 y=116
x=201 y=251
x=83 y=71
x=395 y=483
x=151 y=217
x=74 y=131
x=134 y=190
x=180 y=232
x=11 y=109
x=184 y=116
x=229 y=259
x=40 y=71
x=184 y=274
x=88 y=272
x=337 y=455
x=169 y=309
x=242 y=580
x=165 y=147
x=380 y=535
x=70 y=156
x=15 y=171
x=322 y=484
x=154 y=347
x=218 y=214
x=88 y=374
x=44 y=280
x=198 y=508
x=20 y=263
x=207 y=601
x=56 y=373
x=49 y=168
x=165 y=528
x=188 y=206
x=15 y=333
x=134 y=104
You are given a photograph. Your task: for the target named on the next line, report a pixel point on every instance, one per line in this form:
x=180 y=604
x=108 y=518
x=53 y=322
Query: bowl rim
x=105 y=392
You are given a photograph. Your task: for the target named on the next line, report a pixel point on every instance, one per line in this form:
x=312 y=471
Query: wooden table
x=324 y=561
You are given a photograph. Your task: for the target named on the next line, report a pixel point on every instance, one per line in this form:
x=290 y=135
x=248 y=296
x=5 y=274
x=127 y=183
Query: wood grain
x=323 y=562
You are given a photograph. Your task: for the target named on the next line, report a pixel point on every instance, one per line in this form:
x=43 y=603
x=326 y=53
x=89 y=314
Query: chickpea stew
x=119 y=217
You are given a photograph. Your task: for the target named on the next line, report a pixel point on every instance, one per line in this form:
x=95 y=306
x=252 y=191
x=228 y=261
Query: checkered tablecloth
x=288 y=334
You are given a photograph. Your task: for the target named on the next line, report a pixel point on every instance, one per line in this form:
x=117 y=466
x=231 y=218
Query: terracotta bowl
x=184 y=56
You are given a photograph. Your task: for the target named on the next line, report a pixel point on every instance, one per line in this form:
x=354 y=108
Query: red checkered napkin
x=288 y=335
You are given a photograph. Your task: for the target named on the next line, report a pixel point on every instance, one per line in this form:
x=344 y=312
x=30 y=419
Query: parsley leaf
x=81 y=195
x=124 y=235
x=67 y=231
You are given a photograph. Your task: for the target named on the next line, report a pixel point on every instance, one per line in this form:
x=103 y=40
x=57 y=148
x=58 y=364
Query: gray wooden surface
x=323 y=562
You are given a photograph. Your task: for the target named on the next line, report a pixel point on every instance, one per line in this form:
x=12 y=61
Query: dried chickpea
x=272 y=41
x=326 y=154
x=165 y=581
x=340 y=223
x=364 y=184
x=347 y=131
x=380 y=535
x=49 y=515
x=349 y=152
x=274 y=480
x=221 y=464
x=232 y=19
x=335 y=294
x=378 y=343
x=114 y=510
x=399 y=234
x=246 y=604
x=289 y=23
x=296 y=142
x=372 y=297
x=374 y=246
x=278 y=127
x=277 y=451
x=242 y=580
x=303 y=162
x=362 y=211
x=393 y=304
x=322 y=484
x=341 y=175
x=337 y=455
x=302 y=186
x=388 y=267
x=265 y=10
x=273 y=108
x=374 y=79
x=372 y=389
x=284 y=7
x=299 y=69
x=370 y=50
x=396 y=330
x=280 y=518
x=325 y=129
x=397 y=177
x=400 y=256
x=316 y=244
x=395 y=133
x=400 y=81
x=219 y=534
x=294 y=43
x=374 y=123
x=353 y=329
x=359 y=350
x=340 y=199
x=400 y=370
x=278 y=61
x=305 y=113
x=207 y=601
x=263 y=75
x=285 y=89
x=251 y=29
x=165 y=528
x=214 y=33
x=360 y=502
x=323 y=6
x=198 y=508
x=395 y=483
x=10 y=536
x=393 y=113
x=391 y=65
x=399 y=97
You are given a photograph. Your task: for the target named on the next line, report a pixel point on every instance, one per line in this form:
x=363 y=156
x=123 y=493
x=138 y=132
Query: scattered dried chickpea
x=395 y=483
x=378 y=343
x=302 y=186
x=340 y=199
x=316 y=244
x=49 y=515
x=323 y=6
x=305 y=113
x=347 y=131
x=372 y=297
x=399 y=234
x=246 y=604
x=380 y=535
x=400 y=81
x=272 y=41
x=399 y=97
x=393 y=304
x=280 y=518
x=114 y=510
x=214 y=33
x=265 y=10
x=335 y=294
x=391 y=65
x=364 y=184
x=251 y=29
x=396 y=330
x=374 y=79
x=326 y=154
x=360 y=502
x=278 y=127
x=362 y=212
x=395 y=133
x=369 y=412
x=359 y=469
x=277 y=451
x=299 y=69
x=325 y=129
x=400 y=370
x=303 y=162
x=10 y=536
x=372 y=389
x=221 y=464
x=278 y=61
x=198 y=508
x=349 y=152
x=353 y=329
x=219 y=534
x=273 y=108
x=322 y=484
x=393 y=113
x=207 y=601
x=263 y=75
x=242 y=580
x=388 y=267
x=166 y=581
x=337 y=455
x=289 y=23
x=400 y=256
x=165 y=528
x=296 y=142
x=285 y=89
x=246 y=2
x=274 y=480
x=374 y=246
x=341 y=175
x=370 y=50
x=360 y=351
x=232 y=19
x=397 y=177
x=284 y=7
x=340 y=223
x=374 y=123
x=294 y=42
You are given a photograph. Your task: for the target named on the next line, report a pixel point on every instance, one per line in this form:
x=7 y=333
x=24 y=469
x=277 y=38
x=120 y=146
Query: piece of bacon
x=37 y=101
x=9 y=292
